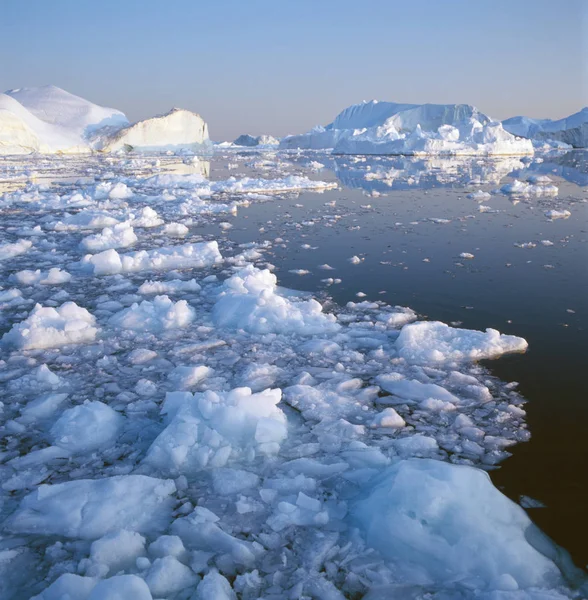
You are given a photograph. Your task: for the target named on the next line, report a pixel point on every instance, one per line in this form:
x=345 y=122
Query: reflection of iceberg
x=382 y=174
x=571 y=166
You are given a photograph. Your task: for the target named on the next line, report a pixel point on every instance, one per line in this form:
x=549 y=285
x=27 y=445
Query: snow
x=89 y=509
x=427 y=516
x=432 y=342
x=198 y=255
x=47 y=327
x=428 y=129
x=178 y=129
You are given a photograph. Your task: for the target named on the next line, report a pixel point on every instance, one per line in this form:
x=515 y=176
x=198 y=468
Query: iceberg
x=572 y=130
x=412 y=129
x=178 y=129
x=260 y=140
x=50 y=120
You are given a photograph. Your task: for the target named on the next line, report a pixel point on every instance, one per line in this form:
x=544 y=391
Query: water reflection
x=383 y=174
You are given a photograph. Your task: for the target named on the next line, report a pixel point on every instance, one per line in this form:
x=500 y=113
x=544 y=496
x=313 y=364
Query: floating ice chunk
x=54 y=276
x=479 y=195
x=86 y=219
x=287 y=184
x=525 y=245
x=519 y=188
x=47 y=327
x=147 y=218
x=68 y=586
x=86 y=427
x=250 y=300
x=214 y=587
x=156 y=316
x=432 y=341
x=42 y=407
x=388 y=418
x=121 y=587
x=120 y=191
x=116 y=551
x=557 y=214
x=11 y=250
x=466 y=255
x=355 y=260
x=121 y=235
x=547 y=242
x=173 y=286
x=228 y=482
x=177 y=230
x=91 y=508
x=399 y=317
x=206 y=429
x=168 y=576
x=426 y=516
x=167 y=545
x=186 y=377
x=187 y=256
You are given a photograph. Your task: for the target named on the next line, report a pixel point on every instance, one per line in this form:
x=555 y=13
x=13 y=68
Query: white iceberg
x=412 y=129
x=178 y=129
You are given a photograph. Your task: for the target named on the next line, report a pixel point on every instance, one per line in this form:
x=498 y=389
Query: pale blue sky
x=283 y=66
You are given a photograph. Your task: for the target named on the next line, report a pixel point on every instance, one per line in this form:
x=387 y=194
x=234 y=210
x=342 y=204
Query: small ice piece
x=69 y=586
x=117 y=551
x=225 y=225
x=388 y=418
x=411 y=390
x=528 y=502
x=214 y=587
x=47 y=327
x=299 y=271
x=466 y=255
x=121 y=587
x=479 y=196
x=168 y=576
x=12 y=250
x=250 y=300
x=427 y=515
x=54 y=276
x=355 y=260
x=525 y=245
x=228 y=482
x=326 y=267
x=86 y=427
x=547 y=242
x=176 y=230
x=173 y=286
x=42 y=407
x=434 y=342
x=168 y=545
x=188 y=256
x=120 y=235
x=557 y=214
x=156 y=316
x=147 y=218
x=186 y=377
x=90 y=508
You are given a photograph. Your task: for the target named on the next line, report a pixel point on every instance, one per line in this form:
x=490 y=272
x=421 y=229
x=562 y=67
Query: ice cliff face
x=411 y=129
x=176 y=130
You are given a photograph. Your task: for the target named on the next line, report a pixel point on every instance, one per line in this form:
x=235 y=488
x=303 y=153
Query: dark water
x=524 y=291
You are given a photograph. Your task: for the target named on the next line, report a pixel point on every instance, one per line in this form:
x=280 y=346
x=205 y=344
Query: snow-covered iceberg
x=48 y=119
x=412 y=129
x=572 y=130
x=178 y=129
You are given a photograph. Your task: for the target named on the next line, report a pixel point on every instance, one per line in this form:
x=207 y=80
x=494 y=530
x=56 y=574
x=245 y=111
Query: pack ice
x=177 y=425
x=412 y=129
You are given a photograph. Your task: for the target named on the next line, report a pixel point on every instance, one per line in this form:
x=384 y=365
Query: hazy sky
x=282 y=66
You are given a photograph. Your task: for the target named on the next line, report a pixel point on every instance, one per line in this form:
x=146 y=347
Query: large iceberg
x=572 y=130
x=260 y=140
x=178 y=129
x=48 y=119
x=412 y=129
